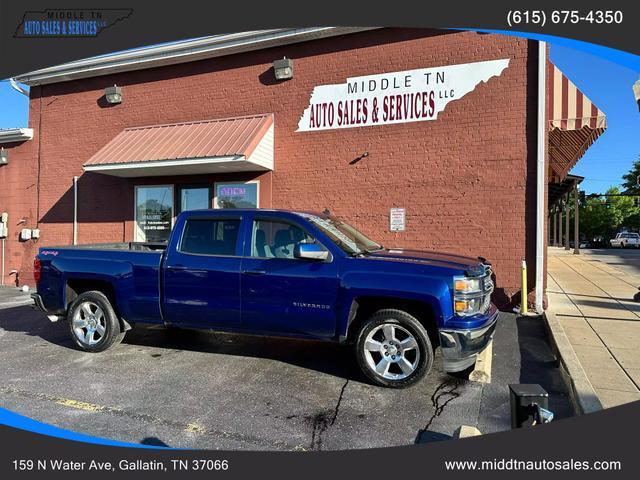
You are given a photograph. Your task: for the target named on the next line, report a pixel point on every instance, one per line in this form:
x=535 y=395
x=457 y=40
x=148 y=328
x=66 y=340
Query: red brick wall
x=467 y=180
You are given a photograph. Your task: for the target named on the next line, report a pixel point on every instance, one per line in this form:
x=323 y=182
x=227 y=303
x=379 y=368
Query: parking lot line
x=87 y=407
x=94 y=408
x=195 y=428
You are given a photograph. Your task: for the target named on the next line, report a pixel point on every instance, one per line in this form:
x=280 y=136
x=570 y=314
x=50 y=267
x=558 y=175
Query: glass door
x=154 y=213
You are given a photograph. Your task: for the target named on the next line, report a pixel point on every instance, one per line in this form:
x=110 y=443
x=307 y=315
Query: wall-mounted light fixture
x=113 y=94
x=4 y=156
x=636 y=92
x=283 y=69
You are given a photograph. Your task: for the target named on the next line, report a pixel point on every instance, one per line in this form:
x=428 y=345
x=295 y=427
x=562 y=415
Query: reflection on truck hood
x=439 y=259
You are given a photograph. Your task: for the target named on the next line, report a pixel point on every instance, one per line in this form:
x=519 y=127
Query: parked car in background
x=278 y=273
x=624 y=240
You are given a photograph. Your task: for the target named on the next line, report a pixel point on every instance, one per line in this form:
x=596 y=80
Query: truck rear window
x=210 y=236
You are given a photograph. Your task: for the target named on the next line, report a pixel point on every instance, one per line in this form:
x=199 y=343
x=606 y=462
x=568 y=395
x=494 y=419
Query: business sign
x=397 y=218
x=397 y=97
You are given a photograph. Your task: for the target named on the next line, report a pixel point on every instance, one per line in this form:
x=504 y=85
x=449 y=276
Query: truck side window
x=273 y=239
x=210 y=236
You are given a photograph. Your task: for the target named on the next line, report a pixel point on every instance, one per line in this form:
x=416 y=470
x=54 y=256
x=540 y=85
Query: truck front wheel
x=93 y=323
x=393 y=349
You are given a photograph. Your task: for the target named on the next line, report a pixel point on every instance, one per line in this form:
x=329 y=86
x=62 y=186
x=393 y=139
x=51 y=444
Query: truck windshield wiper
x=366 y=251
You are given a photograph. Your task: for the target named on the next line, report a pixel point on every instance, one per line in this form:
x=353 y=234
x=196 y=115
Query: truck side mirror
x=310 y=251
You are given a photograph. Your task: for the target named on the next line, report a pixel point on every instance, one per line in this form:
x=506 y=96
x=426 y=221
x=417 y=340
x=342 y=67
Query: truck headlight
x=471 y=295
x=467 y=285
x=468 y=307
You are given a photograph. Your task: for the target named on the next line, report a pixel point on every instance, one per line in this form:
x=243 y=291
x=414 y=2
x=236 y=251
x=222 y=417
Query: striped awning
x=574 y=122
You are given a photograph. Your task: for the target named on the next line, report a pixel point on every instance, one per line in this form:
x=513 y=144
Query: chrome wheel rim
x=89 y=323
x=392 y=351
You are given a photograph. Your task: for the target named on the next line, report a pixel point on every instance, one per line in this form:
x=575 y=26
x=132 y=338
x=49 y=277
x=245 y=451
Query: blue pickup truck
x=277 y=273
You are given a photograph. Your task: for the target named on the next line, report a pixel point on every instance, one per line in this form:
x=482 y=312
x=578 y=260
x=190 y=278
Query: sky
x=607 y=84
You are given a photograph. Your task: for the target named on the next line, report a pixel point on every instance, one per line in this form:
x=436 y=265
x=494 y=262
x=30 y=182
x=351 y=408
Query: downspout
x=75 y=210
x=2 y=274
x=541 y=175
x=17 y=87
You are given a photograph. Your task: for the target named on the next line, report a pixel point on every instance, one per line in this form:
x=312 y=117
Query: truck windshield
x=344 y=235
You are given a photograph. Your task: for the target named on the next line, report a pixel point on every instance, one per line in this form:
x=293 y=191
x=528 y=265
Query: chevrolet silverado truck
x=277 y=273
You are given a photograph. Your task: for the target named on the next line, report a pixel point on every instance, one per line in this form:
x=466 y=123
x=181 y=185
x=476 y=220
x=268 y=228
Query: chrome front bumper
x=461 y=347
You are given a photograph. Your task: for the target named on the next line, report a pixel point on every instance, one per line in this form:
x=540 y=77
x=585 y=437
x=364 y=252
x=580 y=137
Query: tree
x=630 y=183
x=604 y=216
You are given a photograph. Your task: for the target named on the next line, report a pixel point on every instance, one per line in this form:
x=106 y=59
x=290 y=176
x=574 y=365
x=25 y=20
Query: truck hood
x=439 y=259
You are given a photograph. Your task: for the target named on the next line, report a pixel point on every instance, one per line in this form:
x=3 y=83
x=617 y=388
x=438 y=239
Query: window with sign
x=236 y=195
x=154 y=213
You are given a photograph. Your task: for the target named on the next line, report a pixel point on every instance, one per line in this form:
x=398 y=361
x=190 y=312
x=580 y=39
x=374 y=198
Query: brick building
x=466 y=179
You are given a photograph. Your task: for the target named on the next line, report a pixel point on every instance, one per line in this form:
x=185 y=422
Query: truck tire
x=93 y=323
x=393 y=349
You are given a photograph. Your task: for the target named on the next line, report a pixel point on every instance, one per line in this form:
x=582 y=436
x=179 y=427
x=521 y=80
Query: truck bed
x=131 y=270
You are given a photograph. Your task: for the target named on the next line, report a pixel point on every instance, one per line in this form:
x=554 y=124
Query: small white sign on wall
x=397 y=218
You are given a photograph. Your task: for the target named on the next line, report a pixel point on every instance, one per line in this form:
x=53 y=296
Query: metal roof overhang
x=11 y=135
x=237 y=144
x=180 y=52
x=182 y=166
x=558 y=190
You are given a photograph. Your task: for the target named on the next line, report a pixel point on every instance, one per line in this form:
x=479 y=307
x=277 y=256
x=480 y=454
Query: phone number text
x=541 y=17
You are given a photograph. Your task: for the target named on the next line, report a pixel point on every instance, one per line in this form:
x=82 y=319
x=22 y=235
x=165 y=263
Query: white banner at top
x=396 y=97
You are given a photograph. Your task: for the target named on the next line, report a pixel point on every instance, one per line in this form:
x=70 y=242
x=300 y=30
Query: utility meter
x=3 y=230
x=25 y=234
x=35 y=233
x=5 y=217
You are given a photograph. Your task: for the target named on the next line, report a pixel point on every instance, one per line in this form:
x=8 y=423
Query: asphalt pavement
x=198 y=389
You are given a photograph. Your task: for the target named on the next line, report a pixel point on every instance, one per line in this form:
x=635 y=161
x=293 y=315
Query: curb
x=482 y=371
x=583 y=396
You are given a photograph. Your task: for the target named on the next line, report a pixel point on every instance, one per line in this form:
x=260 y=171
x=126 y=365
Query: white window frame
x=136 y=237
x=215 y=191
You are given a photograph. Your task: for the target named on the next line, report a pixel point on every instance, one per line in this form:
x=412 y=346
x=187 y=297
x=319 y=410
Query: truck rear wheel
x=93 y=323
x=393 y=349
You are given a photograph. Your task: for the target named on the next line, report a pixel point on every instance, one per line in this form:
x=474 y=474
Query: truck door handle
x=255 y=272
x=176 y=267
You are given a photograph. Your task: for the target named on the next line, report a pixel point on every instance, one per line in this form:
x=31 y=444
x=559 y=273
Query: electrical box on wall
x=35 y=233
x=5 y=217
x=25 y=234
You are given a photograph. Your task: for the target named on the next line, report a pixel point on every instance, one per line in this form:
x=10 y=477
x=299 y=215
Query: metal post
x=576 y=233
x=2 y=275
x=524 y=293
x=561 y=234
x=566 y=221
x=555 y=226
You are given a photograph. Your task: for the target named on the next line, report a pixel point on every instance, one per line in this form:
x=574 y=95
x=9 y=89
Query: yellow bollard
x=524 y=303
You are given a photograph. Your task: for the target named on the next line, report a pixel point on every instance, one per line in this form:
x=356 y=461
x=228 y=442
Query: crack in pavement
x=439 y=394
x=321 y=421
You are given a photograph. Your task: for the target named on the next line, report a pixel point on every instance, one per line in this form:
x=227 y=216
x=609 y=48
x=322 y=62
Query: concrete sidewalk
x=13 y=297
x=594 y=304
